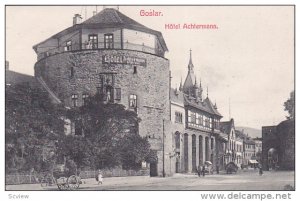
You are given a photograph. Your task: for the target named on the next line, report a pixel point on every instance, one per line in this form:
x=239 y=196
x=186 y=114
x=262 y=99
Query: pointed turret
x=180 y=86
x=196 y=90
x=191 y=65
x=190 y=78
x=200 y=91
x=195 y=85
x=215 y=106
x=207 y=92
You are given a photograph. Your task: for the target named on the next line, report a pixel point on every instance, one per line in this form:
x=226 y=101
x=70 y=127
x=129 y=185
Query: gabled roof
x=201 y=105
x=212 y=107
x=12 y=78
x=111 y=18
x=189 y=82
x=226 y=126
x=246 y=138
x=176 y=96
x=15 y=78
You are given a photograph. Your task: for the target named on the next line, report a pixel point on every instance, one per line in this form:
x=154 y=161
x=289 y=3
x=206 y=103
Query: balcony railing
x=45 y=52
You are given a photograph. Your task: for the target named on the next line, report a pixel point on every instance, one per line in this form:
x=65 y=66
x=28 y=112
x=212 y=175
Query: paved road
x=249 y=180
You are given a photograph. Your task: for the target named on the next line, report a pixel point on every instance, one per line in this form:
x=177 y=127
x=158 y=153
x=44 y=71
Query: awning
x=208 y=163
x=253 y=161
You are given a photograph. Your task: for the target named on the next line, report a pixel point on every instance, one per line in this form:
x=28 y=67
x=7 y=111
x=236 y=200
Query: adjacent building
x=278 y=146
x=249 y=159
x=197 y=137
x=234 y=148
x=258 y=149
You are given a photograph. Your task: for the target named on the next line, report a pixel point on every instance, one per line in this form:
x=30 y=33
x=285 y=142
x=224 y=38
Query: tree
x=289 y=106
x=32 y=125
x=110 y=136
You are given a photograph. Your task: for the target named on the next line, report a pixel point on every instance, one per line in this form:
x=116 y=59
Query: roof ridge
x=117 y=15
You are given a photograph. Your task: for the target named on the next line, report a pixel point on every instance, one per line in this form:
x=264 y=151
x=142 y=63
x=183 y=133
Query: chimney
x=77 y=19
x=6 y=65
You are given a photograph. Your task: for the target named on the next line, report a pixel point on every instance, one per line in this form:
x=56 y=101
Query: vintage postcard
x=181 y=98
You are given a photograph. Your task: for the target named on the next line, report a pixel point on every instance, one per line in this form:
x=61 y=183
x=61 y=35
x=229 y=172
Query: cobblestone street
x=248 y=180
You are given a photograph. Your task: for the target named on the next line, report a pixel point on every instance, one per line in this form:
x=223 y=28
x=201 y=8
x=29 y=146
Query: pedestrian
x=199 y=171
x=100 y=177
x=260 y=170
x=203 y=170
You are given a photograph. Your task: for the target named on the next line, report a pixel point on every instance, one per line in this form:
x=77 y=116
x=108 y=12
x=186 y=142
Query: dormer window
x=93 y=42
x=108 y=41
x=68 y=46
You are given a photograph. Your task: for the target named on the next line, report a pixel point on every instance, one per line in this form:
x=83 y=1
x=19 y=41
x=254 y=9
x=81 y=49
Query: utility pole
x=163 y=148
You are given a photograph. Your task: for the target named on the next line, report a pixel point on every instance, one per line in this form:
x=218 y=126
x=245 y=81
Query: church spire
x=191 y=65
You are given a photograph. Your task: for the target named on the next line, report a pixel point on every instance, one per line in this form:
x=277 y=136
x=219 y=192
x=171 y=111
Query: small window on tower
x=85 y=98
x=118 y=93
x=134 y=70
x=132 y=101
x=72 y=72
x=74 y=100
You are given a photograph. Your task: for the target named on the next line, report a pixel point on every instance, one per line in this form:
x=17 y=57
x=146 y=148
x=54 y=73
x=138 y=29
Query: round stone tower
x=113 y=55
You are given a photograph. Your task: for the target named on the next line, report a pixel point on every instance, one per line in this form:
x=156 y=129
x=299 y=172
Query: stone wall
x=150 y=84
x=281 y=138
x=286 y=136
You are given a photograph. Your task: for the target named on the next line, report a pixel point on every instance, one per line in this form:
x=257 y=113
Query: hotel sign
x=122 y=59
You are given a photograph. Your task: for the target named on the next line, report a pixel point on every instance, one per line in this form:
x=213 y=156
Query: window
x=99 y=90
x=118 y=93
x=109 y=96
x=178 y=117
x=84 y=99
x=193 y=117
x=206 y=122
x=132 y=101
x=134 y=70
x=74 y=100
x=68 y=46
x=201 y=120
x=93 y=42
x=72 y=72
x=108 y=41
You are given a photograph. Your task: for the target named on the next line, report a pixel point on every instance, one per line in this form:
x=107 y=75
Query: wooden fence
x=13 y=179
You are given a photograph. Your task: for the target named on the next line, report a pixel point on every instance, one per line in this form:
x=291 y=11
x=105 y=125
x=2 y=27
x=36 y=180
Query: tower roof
x=111 y=18
x=190 y=78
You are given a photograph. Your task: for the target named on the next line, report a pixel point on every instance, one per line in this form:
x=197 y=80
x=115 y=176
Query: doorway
x=153 y=169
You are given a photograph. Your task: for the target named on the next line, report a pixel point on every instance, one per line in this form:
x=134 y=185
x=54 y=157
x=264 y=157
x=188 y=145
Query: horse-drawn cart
x=66 y=179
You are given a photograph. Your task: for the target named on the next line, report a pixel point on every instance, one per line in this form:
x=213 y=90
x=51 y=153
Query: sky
x=247 y=64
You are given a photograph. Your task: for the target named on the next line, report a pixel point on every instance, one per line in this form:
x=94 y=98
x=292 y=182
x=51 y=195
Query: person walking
x=199 y=170
x=260 y=171
x=203 y=170
x=100 y=177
